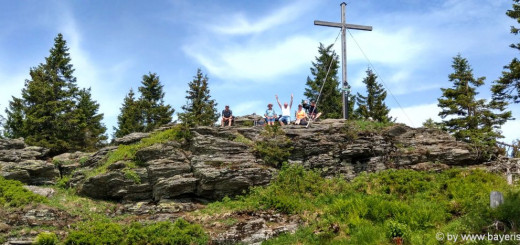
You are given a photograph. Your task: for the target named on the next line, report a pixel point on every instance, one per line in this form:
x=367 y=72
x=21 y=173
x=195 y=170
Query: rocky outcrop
x=24 y=163
x=218 y=162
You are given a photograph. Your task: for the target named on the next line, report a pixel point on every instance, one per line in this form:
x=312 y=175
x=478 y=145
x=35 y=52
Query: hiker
x=312 y=111
x=270 y=115
x=286 y=111
x=300 y=116
x=227 y=116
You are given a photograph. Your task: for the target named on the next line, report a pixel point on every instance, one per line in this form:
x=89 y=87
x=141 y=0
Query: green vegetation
x=127 y=152
x=46 y=238
x=469 y=119
x=146 y=113
x=13 y=194
x=274 y=147
x=367 y=126
x=507 y=87
x=200 y=109
x=165 y=232
x=242 y=139
x=373 y=104
x=330 y=102
x=375 y=208
x=52 y=111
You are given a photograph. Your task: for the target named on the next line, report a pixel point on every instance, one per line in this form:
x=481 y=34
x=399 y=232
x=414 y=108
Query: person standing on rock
x=227 y=116
x=270 y=115
x=286 y=111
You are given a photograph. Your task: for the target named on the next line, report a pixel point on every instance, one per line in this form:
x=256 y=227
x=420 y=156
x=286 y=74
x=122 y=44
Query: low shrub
x=179 y=232
x=46 y=238
x=13 y=194
x=274 y=147
x=179 y=133
x=96 y=232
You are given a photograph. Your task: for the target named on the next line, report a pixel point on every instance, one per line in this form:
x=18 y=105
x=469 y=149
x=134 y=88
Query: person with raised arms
x=286 y=111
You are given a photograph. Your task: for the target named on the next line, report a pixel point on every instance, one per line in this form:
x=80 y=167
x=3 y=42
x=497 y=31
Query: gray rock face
x=21 y=162
x=131 y=138
x=213 y=164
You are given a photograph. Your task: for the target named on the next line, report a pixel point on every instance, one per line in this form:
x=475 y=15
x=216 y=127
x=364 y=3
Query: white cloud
x=415 y=115
x=247 y=108
x=239 y=23
x=255 y=61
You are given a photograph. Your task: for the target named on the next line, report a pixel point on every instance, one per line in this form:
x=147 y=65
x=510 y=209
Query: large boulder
x=218 y=162
x=34 y=172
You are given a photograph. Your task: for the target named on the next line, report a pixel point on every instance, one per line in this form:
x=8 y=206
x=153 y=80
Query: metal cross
x=344 y=26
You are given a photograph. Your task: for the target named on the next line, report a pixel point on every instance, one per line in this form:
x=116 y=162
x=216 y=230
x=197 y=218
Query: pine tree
x=155 y=113
x=91 y=131
x=470 y=120
x=373 y=104
x=200 y=109
x=507 y=87
x=131 y=117
x=351 y=103
x=46 y=114
x=330 y=101
x=429 y=123
x=13 y=125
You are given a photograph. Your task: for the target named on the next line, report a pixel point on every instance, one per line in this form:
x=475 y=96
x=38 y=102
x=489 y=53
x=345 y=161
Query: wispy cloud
x=255 y=61
x=241 y=24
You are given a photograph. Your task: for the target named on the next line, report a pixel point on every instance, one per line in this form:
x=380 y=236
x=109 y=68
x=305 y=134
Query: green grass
x=13 y=194
x=106 y=232
x=374 y=208
x=127 y=152
x=273 y=147
x=365 y=126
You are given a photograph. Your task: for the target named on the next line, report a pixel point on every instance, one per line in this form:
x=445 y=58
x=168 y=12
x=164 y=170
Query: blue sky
x=252 y=50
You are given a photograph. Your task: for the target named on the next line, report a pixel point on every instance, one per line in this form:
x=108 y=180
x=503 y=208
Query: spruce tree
x=469 y=119
x=46 y=114
x=131 y=117
x=373 y=104
x=507 y=87
x=200 y=109
x=91 y=131
x=330 y=101
x=155 y=112
x=13 y=125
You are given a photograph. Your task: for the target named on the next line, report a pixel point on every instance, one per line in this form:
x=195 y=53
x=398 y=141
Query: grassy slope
x=368 y=210
x=415 y=205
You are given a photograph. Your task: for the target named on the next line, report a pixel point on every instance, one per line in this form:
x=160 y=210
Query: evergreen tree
x=155 y=113
x=200 y=109
x=470 y=120
x=429 y=123
x=373 y=104
x=91 y=131
x=46 y=114
x=330 y=103
x=13 y=126
x=131 y=117
x=507 y=87
x=351 y=103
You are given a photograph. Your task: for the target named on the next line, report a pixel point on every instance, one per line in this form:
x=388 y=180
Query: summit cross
x=344 y=26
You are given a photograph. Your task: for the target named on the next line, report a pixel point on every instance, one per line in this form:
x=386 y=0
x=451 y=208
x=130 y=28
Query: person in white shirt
x=286 y=111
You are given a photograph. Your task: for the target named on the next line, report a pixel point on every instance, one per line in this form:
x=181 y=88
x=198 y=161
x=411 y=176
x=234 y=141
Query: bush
x=12 y=194
x=46 y=238
x=96 y=232
x=179 y=232
x=274 y=147
x=179 y=133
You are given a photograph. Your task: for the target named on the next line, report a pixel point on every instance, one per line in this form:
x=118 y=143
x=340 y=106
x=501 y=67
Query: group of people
x=303 y=115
